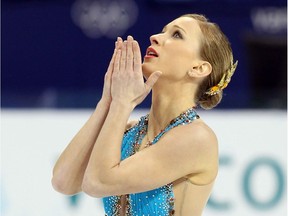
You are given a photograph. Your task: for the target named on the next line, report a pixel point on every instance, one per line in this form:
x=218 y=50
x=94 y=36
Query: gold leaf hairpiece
x=226 y=78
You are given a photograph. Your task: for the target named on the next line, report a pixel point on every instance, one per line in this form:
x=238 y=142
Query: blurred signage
x=269 y=19
x=219 y=1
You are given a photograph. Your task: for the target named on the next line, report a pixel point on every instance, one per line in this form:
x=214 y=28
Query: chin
x=146 y=72
x=146 y=75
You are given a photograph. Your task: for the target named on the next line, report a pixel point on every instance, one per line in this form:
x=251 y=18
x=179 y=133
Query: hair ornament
x=226 y=78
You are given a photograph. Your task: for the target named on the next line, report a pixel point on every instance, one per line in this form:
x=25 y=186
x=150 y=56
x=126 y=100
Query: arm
x=69 y=169
x=127 y=89
x=184 y=150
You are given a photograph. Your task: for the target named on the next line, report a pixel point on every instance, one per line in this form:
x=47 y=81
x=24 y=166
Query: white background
x=31 y=141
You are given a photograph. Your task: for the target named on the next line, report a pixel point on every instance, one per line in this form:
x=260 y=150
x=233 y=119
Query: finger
x=116 y=65
x=152 y=80
x=111 y=64
x=123 y=57
x=129 y=60
x=107 y=79
x=119 y=43
x=136 y=57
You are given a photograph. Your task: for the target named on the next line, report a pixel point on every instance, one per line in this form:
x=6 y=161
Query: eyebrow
x=176 y=26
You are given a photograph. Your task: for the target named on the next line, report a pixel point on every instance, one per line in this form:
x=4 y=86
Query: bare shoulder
x=198 y=133
x=202 y=131
x=204 y=141
x=204 y=138
x=199 y=142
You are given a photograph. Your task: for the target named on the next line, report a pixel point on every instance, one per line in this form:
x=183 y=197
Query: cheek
x=182 y=55
x=180 y=63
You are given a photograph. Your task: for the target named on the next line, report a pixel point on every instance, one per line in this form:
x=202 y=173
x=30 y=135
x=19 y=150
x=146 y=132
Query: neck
x=167 y=104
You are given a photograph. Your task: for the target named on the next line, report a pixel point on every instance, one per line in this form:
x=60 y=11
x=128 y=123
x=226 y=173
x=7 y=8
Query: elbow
x=58 y=185
x=62 y=186
x=93 y=187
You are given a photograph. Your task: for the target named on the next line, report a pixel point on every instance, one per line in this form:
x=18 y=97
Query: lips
x=151 y=52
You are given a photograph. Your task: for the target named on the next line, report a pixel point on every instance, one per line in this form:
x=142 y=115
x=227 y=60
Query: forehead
x=189 y=24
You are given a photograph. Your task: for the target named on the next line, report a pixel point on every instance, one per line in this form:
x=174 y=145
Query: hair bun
x=210 y=101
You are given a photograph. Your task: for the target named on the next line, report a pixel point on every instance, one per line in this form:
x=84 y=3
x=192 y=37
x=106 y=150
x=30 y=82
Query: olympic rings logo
x=100 y=18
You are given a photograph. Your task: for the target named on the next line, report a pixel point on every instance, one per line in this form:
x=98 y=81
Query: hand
x=128 y=85
x=106 y=94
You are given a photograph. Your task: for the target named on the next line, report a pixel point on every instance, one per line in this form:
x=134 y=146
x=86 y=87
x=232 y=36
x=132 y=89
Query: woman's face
x=175 y=50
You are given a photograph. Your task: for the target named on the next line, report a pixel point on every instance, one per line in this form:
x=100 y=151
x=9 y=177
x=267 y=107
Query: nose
x=154 y=39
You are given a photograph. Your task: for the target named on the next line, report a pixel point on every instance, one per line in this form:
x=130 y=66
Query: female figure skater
x=165 y=163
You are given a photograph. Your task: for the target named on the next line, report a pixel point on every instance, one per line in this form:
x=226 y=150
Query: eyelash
x=178 y=33
x=174 y=33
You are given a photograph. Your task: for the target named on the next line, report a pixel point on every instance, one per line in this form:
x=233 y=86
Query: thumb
x=153 y=79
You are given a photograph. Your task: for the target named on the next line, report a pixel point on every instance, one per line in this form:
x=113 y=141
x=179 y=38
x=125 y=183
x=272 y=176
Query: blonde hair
x=215 y=49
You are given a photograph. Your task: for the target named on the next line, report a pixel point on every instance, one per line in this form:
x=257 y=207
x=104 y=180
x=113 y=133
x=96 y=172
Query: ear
x=201 y=69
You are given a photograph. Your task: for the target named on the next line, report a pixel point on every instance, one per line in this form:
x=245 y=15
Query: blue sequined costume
x=159 y=201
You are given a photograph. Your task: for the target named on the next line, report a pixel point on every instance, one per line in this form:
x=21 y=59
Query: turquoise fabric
x=160 y=201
